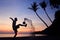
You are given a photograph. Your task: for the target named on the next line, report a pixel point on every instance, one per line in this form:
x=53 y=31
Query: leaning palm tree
x=43 y=5
x=34 y=7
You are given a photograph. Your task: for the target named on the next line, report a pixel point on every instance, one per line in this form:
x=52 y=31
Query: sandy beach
x=31 y=38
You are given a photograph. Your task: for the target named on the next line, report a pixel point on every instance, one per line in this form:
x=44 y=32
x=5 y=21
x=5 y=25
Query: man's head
x=15 y=19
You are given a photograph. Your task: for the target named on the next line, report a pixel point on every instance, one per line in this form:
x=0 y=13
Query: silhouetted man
x=15 y=27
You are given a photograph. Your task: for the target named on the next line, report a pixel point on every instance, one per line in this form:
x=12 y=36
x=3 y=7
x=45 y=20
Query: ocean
x=19 y=35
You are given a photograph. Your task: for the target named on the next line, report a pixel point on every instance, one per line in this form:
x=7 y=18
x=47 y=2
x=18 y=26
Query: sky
x=19 y=9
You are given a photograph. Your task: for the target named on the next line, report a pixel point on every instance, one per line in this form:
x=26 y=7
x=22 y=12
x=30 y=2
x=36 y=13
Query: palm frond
x=55 y=3
x=43 y=4
x=34 y=6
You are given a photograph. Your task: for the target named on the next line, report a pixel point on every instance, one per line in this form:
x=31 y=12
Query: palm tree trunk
x=41 y=19
x=48 y=16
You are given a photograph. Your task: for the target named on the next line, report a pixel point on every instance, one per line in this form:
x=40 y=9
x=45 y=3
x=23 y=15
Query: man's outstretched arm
x=11 y=19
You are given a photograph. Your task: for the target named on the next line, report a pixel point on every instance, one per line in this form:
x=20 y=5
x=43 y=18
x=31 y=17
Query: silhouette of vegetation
x=43 y=5
x=15 y=27
x=55 y=27
x=34 y=7
x=54 y=3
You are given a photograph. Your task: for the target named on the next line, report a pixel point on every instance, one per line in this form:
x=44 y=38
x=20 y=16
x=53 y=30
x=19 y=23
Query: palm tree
x=34 y=7
x=54 y=3
x=43 y=5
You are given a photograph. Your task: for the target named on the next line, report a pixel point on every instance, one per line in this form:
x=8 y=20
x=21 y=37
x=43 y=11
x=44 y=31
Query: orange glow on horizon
x=5 y=28
x=8 y=28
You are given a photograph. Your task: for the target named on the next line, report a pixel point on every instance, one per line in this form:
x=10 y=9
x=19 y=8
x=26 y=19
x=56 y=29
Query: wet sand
x=32 y=38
